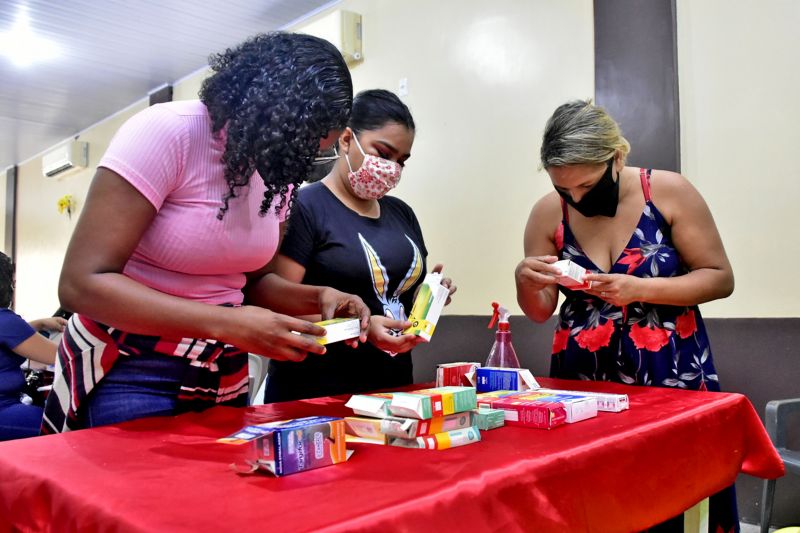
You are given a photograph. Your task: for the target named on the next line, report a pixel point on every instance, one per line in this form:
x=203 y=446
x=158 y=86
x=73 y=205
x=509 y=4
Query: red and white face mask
x=375 y=177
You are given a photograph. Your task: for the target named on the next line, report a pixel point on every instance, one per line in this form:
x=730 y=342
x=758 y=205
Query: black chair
x=777 y=421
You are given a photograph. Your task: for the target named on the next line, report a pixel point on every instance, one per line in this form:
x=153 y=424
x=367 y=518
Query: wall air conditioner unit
x=343 y=29
x=73 y=155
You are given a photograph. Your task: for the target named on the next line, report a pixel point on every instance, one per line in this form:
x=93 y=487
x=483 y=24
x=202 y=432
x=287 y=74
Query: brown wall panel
x=636 y=76
x=10 y=246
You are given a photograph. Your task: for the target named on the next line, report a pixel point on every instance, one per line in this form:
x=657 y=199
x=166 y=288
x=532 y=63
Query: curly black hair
x=278 y=94
x=6 y=280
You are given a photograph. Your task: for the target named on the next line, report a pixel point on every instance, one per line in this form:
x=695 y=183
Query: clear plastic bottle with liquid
x=502 y=353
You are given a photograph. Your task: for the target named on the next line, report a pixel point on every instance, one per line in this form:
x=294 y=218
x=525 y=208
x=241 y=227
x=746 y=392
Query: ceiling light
x=22 y=47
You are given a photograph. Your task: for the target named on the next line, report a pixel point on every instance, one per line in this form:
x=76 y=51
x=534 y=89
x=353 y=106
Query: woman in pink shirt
x=165 y=269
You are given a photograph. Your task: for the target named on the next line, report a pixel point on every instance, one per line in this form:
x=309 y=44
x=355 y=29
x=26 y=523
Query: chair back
x=258 y=372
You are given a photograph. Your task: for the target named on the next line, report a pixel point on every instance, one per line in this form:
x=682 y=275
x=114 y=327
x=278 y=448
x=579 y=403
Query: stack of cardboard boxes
x=437 y=418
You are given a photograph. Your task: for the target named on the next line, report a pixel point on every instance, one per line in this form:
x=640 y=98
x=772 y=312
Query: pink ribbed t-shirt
x=169 y=154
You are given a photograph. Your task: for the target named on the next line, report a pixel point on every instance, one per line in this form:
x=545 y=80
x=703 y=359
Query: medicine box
x=490 y=378
x=486 y=418
x=366 y=429
x=290 y=446
x=427 y=306
x=454 y=374
x=407 y=428
x=576 y=407
x=441 y=441
x=428 y=403
x=372 y=405
x=338 y=329
x=607 y=402
x=572 y=275
x=527 y=413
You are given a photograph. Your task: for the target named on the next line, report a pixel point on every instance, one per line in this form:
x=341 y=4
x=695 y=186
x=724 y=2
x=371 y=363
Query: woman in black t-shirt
x=344 y=232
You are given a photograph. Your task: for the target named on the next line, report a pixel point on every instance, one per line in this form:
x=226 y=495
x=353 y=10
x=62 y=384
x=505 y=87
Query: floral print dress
x=641 y=343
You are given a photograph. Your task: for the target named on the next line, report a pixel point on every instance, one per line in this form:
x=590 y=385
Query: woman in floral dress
x=652 y=252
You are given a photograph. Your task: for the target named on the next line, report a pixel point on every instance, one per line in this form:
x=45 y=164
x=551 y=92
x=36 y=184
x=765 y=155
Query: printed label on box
x=427 y=306
x=489 y=379
x=290 y=446
x=606 y=401
x=428 y=403
x=441 y=441
x=572 y=275
x=454 y=374
x=338 y=329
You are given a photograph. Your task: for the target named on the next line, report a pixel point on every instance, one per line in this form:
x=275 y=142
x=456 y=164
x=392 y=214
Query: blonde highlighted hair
x=580 y=133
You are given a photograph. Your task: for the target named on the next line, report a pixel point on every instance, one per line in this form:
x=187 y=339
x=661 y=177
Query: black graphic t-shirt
x=381 y=260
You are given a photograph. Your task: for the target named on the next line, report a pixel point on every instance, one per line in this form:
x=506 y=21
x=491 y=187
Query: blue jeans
x=136 y=387
x=17 y=420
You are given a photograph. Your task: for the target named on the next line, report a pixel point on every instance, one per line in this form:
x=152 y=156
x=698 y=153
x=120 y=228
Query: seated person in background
x=52 y=328
x=347 y=233
x=19 y=341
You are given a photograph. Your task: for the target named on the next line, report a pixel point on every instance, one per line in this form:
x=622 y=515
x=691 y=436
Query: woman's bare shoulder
x=670 y=191
x=547 y=208
x=544 y=217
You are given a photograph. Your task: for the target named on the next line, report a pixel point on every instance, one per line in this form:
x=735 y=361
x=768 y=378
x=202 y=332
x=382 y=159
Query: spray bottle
x=502 y=354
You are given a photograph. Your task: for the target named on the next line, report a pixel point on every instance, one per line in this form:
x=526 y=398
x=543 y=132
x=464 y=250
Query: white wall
x=739 y=74
x=483 y=78
x=43 y=233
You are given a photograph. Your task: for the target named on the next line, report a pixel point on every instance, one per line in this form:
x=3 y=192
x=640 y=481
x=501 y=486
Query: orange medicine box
x=366 y=429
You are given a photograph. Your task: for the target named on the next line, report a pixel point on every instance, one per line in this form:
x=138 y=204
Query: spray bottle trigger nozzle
x=495 y=315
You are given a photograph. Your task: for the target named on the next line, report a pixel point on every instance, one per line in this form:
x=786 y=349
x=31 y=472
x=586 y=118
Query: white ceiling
x=113 y=53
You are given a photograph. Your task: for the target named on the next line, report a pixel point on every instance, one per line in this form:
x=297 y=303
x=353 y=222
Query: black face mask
x=602 y=199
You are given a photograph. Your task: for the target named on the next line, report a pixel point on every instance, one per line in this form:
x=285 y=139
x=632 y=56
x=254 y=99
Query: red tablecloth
x=617 y=472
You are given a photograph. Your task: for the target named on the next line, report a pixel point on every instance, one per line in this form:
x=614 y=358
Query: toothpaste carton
x=441 y=441
x=372 y=405
x=572 y=275
x=607 y=402
x=428 y=403
x=491 y=378
x=528 y=413
x=338 y=329
x=455 y=374
x=486 y=418
x=365 y=429
x=427 y=306
x=409 y=428
x=290 y=446
x=576 y=407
